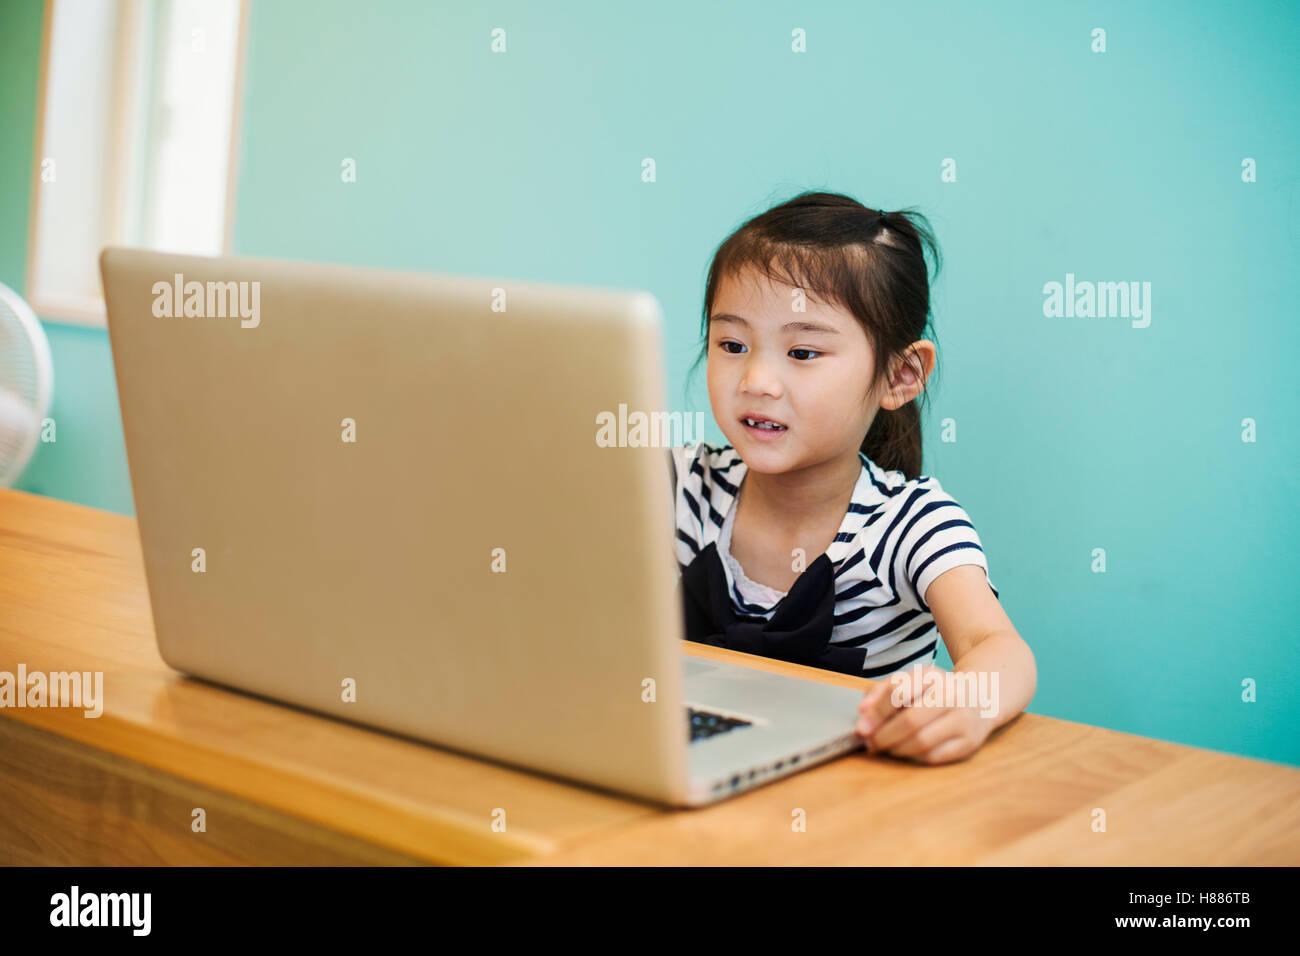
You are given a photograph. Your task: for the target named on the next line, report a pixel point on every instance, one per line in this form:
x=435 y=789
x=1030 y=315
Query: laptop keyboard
x=705 y=723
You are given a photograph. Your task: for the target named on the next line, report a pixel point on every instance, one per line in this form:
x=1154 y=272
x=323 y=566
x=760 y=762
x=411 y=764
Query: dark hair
x=870 y=263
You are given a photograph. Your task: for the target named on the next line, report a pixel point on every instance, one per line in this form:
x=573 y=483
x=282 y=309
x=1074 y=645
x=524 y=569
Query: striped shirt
x=897 y=536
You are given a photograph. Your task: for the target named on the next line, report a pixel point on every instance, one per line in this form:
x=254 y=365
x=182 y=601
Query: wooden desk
x=280 y=785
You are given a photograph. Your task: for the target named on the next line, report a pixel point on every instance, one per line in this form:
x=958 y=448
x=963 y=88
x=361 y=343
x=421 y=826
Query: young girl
x=812 y=537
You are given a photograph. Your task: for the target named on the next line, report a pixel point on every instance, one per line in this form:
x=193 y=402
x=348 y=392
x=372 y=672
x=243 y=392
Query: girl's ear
x=908 y=373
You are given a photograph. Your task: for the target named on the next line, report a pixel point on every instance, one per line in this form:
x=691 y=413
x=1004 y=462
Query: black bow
x=800 y=628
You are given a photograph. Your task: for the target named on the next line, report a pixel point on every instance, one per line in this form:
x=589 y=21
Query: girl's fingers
x=952 y=749
x=902 y=725
x=878 y=704
x=928 y=736
x=872 y=695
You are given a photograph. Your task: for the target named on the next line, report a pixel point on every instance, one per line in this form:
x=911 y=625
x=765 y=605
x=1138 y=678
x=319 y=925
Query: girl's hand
x=926 y=733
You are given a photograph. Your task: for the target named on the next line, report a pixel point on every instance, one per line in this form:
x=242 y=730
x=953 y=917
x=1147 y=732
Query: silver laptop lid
x=396 y=486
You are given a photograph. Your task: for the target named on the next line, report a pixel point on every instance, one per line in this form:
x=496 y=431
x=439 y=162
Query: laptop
x=379 y=495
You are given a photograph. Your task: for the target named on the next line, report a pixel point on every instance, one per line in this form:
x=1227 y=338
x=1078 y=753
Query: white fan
x=26 y=383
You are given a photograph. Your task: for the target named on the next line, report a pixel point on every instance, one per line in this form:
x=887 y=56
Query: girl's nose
x=758 y=378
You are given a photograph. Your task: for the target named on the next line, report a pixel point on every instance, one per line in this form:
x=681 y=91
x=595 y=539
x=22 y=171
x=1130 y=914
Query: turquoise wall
x=1072 y=434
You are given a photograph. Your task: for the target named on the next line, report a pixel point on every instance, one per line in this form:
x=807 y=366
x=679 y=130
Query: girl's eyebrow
x=797 y=326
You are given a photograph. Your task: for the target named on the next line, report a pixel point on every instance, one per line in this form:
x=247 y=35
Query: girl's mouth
x=763 y=428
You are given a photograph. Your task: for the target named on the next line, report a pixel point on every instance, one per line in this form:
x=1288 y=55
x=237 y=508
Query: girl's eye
x=725 y=344
x=809 y=351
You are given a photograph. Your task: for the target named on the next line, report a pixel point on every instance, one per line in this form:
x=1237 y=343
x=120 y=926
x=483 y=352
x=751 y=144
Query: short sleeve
x=937 y=536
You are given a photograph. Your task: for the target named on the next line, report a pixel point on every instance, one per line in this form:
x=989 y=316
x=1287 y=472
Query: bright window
x=138 y=123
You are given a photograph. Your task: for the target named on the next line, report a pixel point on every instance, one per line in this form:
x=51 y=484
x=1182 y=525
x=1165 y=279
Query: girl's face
x=806 y=370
